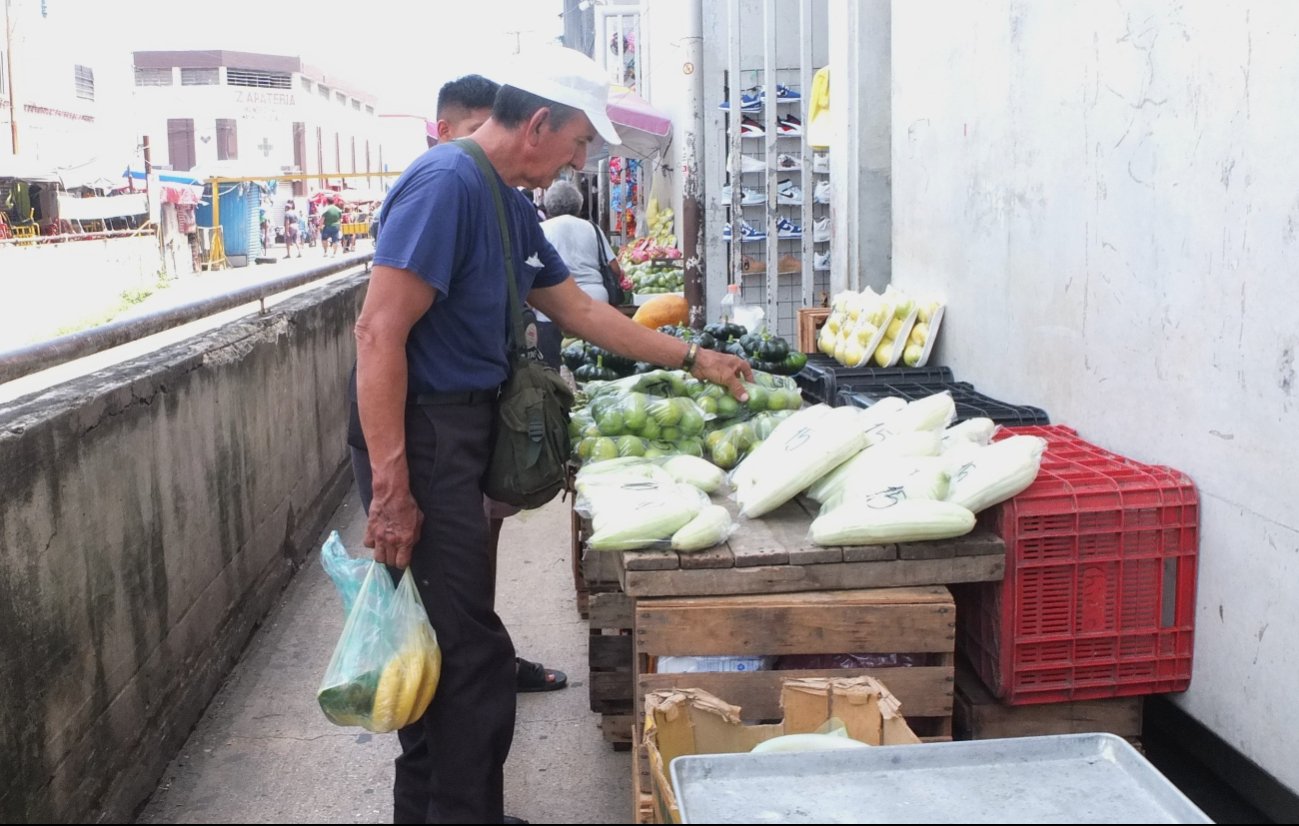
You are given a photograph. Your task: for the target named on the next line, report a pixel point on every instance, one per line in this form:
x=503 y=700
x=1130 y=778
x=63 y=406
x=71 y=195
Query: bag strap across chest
x=517 y=334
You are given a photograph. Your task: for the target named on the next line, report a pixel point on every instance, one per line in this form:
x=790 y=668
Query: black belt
x=463 y=397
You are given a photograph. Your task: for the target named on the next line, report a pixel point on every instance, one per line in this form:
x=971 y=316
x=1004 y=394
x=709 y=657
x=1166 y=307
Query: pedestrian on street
x=292 y=229
x=331 y=224
x=430 y=363
x=464 y=105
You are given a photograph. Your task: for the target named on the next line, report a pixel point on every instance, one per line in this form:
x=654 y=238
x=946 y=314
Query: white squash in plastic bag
x=996 y=472
x=789 y=462
x=751 y=468
x=886 y=519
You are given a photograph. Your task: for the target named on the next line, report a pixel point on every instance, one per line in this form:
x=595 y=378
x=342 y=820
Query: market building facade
x=260 y=114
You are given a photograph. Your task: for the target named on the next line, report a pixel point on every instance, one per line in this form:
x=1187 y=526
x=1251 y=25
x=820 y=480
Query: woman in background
x=292 y=229
x=583 y=246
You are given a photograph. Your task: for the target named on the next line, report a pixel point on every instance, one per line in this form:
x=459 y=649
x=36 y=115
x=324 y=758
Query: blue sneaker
x=747 y=232
x=750 y=100
x=788 y=229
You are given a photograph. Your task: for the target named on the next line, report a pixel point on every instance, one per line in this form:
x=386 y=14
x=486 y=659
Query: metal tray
x=1068 y=778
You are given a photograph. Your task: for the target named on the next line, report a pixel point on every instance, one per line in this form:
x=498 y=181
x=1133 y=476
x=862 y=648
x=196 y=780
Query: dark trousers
x=451 y=769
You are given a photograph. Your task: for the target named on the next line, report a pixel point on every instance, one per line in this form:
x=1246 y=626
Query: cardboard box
x=692 y=721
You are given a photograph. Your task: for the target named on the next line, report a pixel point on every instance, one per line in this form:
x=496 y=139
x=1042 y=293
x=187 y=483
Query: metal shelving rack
x=779 y=294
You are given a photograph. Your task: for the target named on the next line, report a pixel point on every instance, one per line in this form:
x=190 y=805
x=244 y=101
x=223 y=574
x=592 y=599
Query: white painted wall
x=1108 y=194
x=55 y=126
x=264 y=125
x=861 y=141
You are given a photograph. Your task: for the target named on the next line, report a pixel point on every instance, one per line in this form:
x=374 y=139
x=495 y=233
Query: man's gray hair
x=563 y=198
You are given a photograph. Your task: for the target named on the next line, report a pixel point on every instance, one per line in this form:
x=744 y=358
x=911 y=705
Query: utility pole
x=9 y=73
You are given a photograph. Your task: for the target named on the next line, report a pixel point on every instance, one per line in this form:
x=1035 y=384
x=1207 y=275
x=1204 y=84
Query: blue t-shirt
x=439 y=222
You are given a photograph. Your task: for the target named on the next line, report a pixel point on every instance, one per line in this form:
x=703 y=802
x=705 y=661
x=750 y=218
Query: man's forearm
x=381 y=398
x=606 y=326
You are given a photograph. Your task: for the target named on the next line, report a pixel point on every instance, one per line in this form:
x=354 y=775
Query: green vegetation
x=126 y=300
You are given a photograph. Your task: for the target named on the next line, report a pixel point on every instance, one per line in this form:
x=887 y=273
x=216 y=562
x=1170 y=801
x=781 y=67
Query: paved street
x=264 y=753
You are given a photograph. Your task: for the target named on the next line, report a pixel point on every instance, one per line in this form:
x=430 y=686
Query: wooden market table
x=769 y=591
x=774 y=554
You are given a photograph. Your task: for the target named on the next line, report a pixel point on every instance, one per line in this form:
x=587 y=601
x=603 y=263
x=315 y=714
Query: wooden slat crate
x=774 y=555
x=810 y=320
x=980 y=716
x=913 y=621
x=594 y=572
x=642 y=799
x=611 y=660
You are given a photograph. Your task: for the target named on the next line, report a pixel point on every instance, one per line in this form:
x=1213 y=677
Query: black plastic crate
x=822 y=376
x=970 y=403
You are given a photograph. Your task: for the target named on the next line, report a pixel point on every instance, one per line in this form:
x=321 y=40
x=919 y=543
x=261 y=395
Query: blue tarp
x=165 y=177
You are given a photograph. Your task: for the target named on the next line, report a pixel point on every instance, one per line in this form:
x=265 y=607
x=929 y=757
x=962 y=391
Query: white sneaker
x=821 y=163
x=821 y=261
x=748 y=196
x=789 y=195
x=821 y=230
x=748 y=164
x=821 y=195
x=785 y=161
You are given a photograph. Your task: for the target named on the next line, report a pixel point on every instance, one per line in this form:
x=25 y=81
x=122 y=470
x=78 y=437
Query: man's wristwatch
x=692 y=352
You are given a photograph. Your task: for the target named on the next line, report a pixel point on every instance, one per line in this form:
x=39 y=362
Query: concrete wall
x=861 y=112
x=1108 y=195
x=149 y=516
x=81 y=278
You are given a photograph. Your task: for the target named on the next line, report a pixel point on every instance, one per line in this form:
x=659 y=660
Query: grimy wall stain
x=149 y=515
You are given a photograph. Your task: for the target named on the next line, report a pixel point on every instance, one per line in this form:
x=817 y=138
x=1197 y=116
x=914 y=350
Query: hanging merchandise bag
x=387 y=662
x=818 y=110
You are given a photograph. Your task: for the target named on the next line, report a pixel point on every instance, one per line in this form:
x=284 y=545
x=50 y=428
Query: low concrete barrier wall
x=149 y=516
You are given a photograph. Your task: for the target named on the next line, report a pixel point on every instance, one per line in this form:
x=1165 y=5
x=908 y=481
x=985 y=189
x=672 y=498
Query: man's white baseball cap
x=569 y=77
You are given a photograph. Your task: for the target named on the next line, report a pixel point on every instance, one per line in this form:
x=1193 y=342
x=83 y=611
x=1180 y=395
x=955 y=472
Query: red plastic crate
x=1098 y=599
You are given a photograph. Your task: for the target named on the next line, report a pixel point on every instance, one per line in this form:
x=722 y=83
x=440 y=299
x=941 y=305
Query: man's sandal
x=536 y=677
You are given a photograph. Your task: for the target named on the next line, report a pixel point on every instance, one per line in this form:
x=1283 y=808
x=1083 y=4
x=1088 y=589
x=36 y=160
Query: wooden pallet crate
x=594 y=572
x=918 y=622
x=611 y=659
x=642 y=799
x=810 y=321
x=978 y=715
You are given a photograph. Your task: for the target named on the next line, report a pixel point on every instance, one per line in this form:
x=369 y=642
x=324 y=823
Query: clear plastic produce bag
x=386 y=664
x=347 y=572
